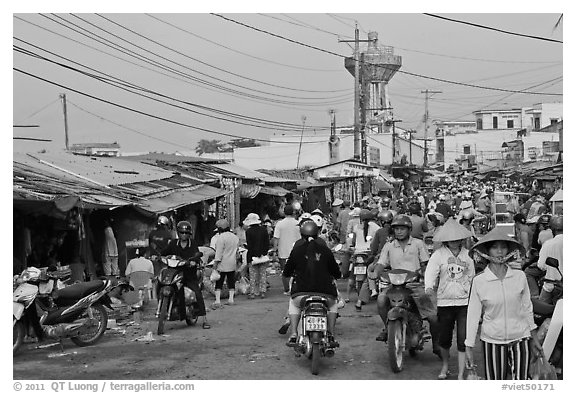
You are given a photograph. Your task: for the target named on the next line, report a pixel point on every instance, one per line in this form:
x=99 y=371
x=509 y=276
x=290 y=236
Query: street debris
x=57 y=355
x=146 y=338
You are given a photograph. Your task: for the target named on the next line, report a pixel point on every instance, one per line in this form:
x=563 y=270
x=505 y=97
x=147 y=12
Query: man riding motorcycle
x=185 y=248
x=404 y=252
x=552 y=248
x=314 y=269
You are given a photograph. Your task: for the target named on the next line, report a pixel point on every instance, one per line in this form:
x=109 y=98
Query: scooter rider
x=314 y=269
x=404 y=252
x=185 y=248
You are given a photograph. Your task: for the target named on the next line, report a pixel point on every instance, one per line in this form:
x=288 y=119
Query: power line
x=184 y=80
x=163 y=66
x=119 y=83
x=237 y=51
x=221 y=69
x=144 y=113
x=378 y=65
x=191 y=58
x=41 y=109
x=493 y=28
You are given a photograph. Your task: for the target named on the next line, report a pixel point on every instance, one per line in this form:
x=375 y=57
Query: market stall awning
x=276 y=191
x=558 y=196
x=181 y=198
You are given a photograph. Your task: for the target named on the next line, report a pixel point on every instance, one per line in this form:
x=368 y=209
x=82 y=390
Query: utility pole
x=426 y=118
x=357 y=136
x=411 y=131
x=300 y=146
x=63 y=98
x=394 y=139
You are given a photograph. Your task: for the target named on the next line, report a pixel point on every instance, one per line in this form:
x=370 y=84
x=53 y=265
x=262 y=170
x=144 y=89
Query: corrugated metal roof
x=100 y=170
x=182 y=198
x=172 y=158
x=240 y=171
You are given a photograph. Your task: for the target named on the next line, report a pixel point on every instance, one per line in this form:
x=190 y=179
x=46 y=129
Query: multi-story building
x=97 y=149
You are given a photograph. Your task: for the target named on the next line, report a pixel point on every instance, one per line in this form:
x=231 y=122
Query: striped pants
x=499 y=357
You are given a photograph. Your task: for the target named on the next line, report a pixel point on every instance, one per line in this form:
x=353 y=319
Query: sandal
x=216 y=306
x=444 y=375
x=206 y=325
x=292 y=340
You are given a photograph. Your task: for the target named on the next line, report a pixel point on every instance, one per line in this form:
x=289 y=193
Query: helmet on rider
x=309 y=229
x=386 y=216
x=318 y=220
x=163 y=220
x=402 y=220
x=556 y=224
x=544 y=219
x=184 y=227
x=366 y=214
x=385 y=202
x=468 y=215
x=414 y=208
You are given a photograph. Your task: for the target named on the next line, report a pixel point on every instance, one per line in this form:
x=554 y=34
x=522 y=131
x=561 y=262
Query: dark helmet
x=414 y=208
x=366 y=214
x=184 y=227
x=468 y=215
x=309 y=228
x=386 y=216
x=402 y=220
x=556 y=223
x=544 y=220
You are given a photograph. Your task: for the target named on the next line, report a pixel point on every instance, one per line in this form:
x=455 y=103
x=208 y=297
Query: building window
x=479 y=124
x=495 y=122
x=510 y=123
x=466 y=149
x=536 y=123
x=553 y=121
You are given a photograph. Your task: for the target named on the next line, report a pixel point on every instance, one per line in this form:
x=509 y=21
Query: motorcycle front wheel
x=89 y=335
x=396 y=345
x=163 y=314
x=18 y=338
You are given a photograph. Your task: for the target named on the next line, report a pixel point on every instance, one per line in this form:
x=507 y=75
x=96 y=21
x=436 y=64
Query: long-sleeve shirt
x=316 y=275
x=504 y=306
x=552 y=248
x=361 y=244
x=226 y=251
x=257 y=242
x=453 y=274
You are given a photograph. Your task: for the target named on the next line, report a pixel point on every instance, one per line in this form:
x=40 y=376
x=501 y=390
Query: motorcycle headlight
x=360 y=259
x=397 y=278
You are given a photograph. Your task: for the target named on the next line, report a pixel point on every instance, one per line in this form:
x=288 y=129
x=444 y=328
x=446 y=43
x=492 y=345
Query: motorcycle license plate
x=315 y=324
x=359 y=269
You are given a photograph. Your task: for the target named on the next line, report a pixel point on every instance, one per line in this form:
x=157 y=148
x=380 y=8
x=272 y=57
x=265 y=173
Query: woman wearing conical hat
x=500 y=297
x=449 y=274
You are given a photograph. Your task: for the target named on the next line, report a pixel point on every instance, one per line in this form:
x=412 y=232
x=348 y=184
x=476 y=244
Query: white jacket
x=504 y=306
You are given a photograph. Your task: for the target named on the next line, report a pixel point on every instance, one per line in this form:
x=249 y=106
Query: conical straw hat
x=496 y=234
x=451 y=231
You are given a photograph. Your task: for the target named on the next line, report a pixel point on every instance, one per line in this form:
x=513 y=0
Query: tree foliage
x=206 y=146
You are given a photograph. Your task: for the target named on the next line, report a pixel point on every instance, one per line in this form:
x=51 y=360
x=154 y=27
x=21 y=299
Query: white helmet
x=319 y=221
x=163 y=220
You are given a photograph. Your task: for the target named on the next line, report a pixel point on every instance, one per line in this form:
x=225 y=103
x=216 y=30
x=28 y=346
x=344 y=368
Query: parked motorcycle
x=404 y=322
x=312 y=340
x=549 y=318
x=76 y=311
x=170 y=283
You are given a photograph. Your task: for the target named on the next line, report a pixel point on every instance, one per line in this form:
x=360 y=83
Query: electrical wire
x=152 y=69
x=119 y=83
x=218 y=68
x=493 y=28
x=237 y=51
x=186 y=67
x=144 y=113
x=378 y=65
x=40 y=110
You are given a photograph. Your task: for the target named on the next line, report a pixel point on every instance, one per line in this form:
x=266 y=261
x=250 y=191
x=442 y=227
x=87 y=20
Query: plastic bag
x=470 y=374
x=541 y=369
x=242 y=286
x=215 y=275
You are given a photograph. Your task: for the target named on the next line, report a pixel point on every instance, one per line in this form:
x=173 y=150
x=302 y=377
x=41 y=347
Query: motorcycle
x=312 y=339
x=404 y=322
x=170 y=283
x=549 y=318
x=359 y=268
x=76 y=311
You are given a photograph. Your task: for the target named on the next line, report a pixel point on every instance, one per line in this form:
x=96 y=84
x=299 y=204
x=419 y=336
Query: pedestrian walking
x=226 y=247
x=110 y=251
x=448 y=277
x=286 y=233
x=258 y=245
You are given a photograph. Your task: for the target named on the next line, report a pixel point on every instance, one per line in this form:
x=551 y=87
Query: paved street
x=243 y=343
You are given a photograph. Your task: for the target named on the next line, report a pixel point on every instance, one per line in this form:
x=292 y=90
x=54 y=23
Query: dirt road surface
x=243 y=343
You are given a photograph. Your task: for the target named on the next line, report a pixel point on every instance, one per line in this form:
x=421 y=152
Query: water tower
x=377 y=65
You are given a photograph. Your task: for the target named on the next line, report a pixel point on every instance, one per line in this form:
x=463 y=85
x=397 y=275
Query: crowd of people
x=475 y=277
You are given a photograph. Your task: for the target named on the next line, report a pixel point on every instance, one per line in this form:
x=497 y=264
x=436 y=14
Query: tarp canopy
x=558 y=196
x=276 y=191
x=181 y=198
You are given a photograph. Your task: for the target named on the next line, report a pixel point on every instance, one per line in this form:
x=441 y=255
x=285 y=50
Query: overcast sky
x=206 y=72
